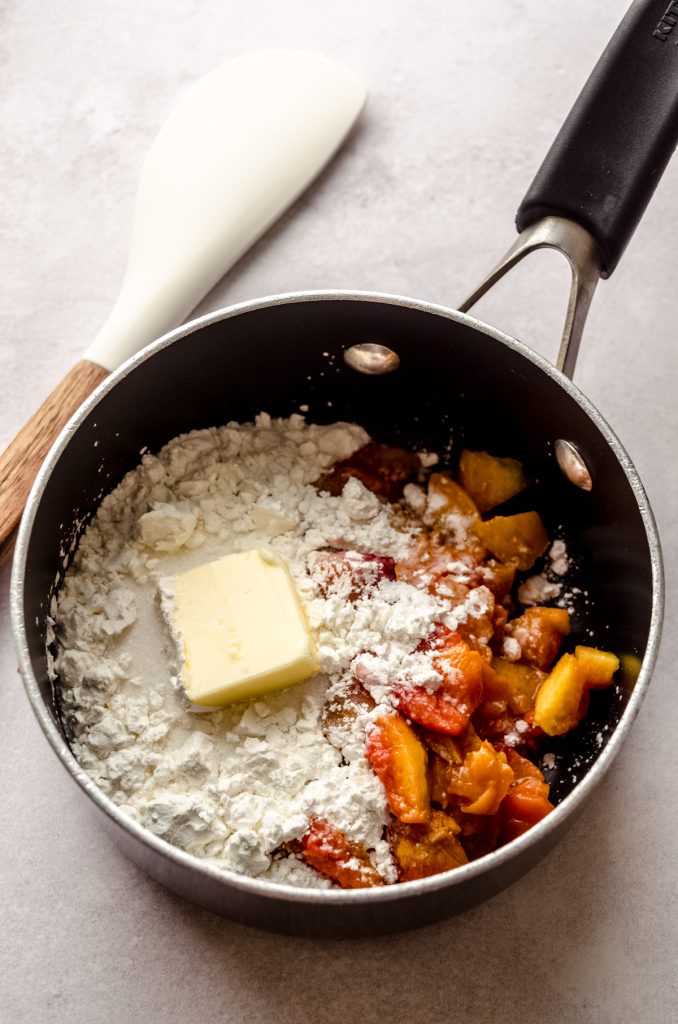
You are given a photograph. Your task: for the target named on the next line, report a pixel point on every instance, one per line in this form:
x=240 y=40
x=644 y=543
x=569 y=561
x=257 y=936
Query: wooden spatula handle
x=20 y=462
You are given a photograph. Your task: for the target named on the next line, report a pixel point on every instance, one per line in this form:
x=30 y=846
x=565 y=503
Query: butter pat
x=239 y=627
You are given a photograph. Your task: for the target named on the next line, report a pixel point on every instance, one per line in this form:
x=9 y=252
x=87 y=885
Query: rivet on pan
x=369 y=357
x=572 y=464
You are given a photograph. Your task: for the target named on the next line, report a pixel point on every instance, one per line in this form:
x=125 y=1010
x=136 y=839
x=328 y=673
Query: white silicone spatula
x=241 y=145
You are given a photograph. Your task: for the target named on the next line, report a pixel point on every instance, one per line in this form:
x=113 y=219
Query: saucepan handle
x=605 y=163
x=608 y=157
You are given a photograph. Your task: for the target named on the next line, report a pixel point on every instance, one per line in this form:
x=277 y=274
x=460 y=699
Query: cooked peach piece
x=599 y=666
x=439 y=778
x=423 y=850
x=489 y=675
x=479 y=833
x=381 y=468
x=328 y=850
x=558 y=706
x=451 y=571
x=489 y=479
x=527 y=800
x=495 y=727
x=462 y=668
x=439 y=568
x=449 y=589
x=448 y=708
x=540 y=632
x=446 y=747
x=483 y=780
x=400 y=761
x=479 y=784
x=505 y=704
x=479 y=629
x=524 y=769
x=452 y=513
x=430 y=562
x=446 y=497
x=496 y=693
x=497 y=577
x=521 y=683
x=434 y=709
x=515 y=540
x=499 y=619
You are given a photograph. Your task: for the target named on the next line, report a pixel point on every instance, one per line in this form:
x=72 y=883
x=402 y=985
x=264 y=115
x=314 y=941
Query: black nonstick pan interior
x=457 y=386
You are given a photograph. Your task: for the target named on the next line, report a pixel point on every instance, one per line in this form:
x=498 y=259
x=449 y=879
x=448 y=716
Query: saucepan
x=419 y=375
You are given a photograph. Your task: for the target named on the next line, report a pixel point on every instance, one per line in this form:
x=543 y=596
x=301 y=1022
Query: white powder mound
x=538 y=590
x=547 y=586
x=511 y=649
x=558 y=558
x=233 y=785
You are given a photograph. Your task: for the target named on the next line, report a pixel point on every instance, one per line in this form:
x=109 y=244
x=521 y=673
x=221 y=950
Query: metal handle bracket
x=582 y=253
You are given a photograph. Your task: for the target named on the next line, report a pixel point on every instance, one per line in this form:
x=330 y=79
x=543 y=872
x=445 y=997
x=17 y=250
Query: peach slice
x=527 y=800
x=453 y=514
x=599 y=666
x=540 y=632
x=423 y=850
x=446 y=497
x=515 y=540
x=447 y=709
x=446 y=747
x=483 y=781
x=521 y=683
x=489 y=479
x=497 y=577
x=437 y=567
x=400 y=761
x=558 y=705
x=479 y=784
x=381 y=468
x=329 y=851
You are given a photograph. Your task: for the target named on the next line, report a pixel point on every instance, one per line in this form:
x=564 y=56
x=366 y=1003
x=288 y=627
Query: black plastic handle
x=608 y=157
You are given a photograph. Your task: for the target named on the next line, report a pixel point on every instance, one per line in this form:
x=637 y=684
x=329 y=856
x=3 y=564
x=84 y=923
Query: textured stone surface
x=464 y=99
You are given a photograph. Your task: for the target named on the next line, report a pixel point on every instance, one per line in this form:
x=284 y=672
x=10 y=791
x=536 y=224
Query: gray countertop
x=464 y=100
